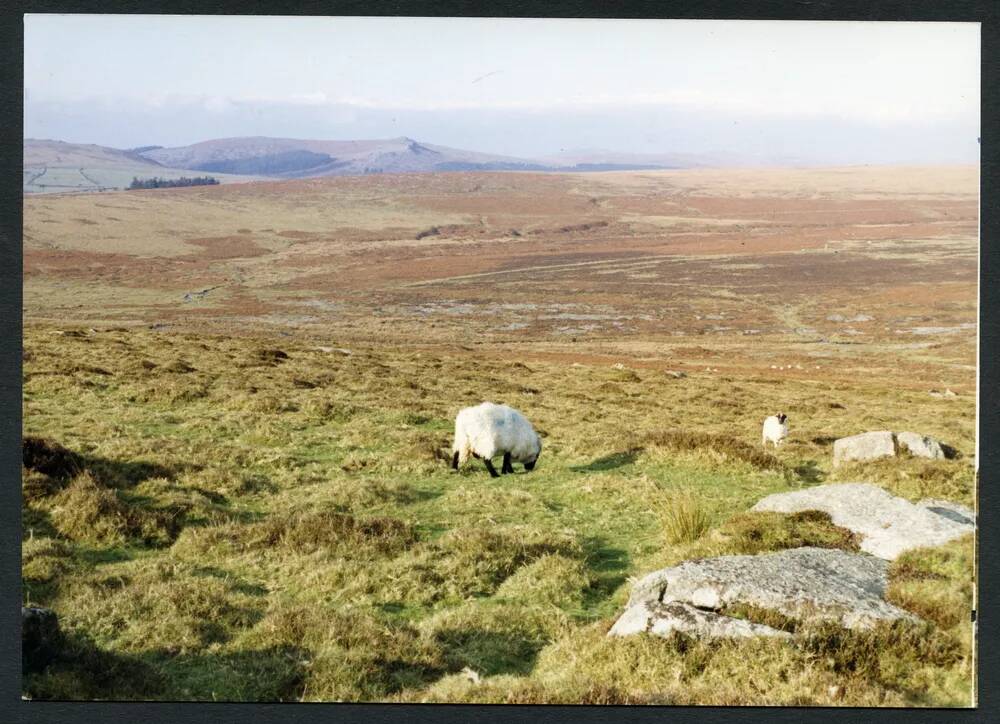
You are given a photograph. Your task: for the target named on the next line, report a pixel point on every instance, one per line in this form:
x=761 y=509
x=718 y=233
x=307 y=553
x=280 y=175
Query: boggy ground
x=222 y=503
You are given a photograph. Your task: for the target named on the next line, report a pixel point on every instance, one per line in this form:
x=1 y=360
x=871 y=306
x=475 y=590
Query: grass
x=684 y=519
x=242 y=518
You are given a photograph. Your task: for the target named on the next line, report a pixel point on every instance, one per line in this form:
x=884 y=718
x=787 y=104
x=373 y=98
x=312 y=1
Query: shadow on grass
x=608 y=567
x=99 y=556
x=609 y=462
x=235 y=583
x=52 y=459
x=275 y=673
x=809 y=472
x=83 y=671
x=36 y=521
x=490 y=652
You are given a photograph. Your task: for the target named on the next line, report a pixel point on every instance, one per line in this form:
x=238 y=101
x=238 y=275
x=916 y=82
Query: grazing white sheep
x=775 y=429
x=488 y=430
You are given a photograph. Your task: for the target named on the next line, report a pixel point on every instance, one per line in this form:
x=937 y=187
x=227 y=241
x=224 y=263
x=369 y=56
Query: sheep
x=775 y=429
x=488 y=430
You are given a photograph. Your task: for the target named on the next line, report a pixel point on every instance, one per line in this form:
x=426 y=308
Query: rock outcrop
x=866 y=446
x=888 y=525
x=922 y=446
x=663 y=619
x=883 y=443
x=801 y=583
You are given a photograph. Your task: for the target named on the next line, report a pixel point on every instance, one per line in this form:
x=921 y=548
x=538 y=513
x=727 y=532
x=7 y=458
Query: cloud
x=753 y=106
x=847 y=104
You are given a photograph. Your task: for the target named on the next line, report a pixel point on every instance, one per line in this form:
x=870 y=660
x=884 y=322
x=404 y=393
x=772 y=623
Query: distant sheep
x=488 y=430
x=775 y=429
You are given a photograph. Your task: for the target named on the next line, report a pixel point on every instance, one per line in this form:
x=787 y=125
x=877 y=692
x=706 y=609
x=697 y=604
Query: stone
x=887 y=525
x=662 y=619
x=866 y=446
x=801 y=583
x=921 y=446
x=40 y=638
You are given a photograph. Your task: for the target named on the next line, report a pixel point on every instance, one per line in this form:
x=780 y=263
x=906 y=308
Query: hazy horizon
x=806 y=92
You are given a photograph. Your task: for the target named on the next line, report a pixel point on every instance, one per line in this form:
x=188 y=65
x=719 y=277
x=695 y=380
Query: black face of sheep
x=530 y=465
x=782 y=417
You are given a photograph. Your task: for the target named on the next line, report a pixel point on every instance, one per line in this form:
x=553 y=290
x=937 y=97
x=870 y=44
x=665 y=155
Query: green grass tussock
x=302 y=532
x=722 y=446
x=166 y=607
x=478 y=559
x=350 y=654
x=553 y=579
x=87 y=512
x=462 y=563
x=43 y=561
x=494 y=638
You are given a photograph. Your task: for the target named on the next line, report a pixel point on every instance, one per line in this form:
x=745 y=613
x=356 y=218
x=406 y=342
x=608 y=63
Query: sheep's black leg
x=493 y=470
x=454 y=461
x=507 y=466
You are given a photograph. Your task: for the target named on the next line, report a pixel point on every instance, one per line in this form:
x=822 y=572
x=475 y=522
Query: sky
x=818 y=92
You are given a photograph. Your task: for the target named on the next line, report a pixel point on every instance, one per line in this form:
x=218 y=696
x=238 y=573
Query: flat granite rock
x=866 y=446
x=921 y=446
x=888 y=525
x=801 y=583
x=663 y=619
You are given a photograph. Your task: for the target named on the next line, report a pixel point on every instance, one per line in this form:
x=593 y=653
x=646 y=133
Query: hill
x=56 y=166
x=293 y=158
x=59 y=166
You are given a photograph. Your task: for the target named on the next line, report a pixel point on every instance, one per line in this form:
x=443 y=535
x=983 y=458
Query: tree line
x=164 y=183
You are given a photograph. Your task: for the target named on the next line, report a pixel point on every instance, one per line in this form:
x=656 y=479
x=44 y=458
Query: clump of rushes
x=684 y=518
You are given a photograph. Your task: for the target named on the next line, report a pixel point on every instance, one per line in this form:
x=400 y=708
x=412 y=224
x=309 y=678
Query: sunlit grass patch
x=758 y=532
x=934 y=583
x=914 y=478
x=162 y=606
x=553 y=579
x=723 y=446
x=301 y=532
